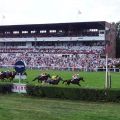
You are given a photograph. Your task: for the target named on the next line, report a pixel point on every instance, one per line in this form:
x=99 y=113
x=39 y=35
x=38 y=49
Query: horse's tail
x=82 y=79
x=35 y=78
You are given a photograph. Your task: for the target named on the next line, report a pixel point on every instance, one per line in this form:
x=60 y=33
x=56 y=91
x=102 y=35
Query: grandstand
x=79 y=45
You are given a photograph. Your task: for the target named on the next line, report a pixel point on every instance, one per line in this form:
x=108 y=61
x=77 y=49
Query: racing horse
x=54 y=82
x=41 y=78
x=2 y=76
x=12 y=75
x=75 y=81
x=7 y=75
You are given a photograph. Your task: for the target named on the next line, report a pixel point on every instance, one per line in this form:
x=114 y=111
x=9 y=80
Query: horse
x=54 y=82
x=41 y=78
x=76 y=81
x=7 y=75
x=2 y=76
x=11 y=75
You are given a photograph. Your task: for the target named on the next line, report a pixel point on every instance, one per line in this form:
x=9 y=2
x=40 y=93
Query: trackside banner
x=19 y=88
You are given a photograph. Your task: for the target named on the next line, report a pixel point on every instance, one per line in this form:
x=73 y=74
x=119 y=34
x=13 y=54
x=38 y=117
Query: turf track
x=92 y=79
x=19 y=107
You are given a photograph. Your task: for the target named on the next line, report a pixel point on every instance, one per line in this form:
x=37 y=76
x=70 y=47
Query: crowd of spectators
x=78 y=57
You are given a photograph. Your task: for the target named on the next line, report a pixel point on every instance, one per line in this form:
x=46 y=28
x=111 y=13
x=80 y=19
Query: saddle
x=74 y=80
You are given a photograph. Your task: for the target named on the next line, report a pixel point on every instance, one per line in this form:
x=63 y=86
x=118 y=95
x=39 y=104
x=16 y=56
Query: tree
x=118 y=39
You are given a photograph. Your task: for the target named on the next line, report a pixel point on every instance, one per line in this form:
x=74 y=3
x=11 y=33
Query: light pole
x=106 y=60
x=107 y=42
x=107 y=76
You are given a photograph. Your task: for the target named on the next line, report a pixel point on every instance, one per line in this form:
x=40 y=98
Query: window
x=15 y=32
x=24 y=32
x=52 y=31
x=33 y=31
x=43 y=31
x=101 y=32
x=7 y=32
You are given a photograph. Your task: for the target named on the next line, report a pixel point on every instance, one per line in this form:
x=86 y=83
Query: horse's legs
x=68 y=84
x=43 y=82
x=78 y=84
x=11 y=79
x=65 y=82
x=2 y=79
x=38 y=80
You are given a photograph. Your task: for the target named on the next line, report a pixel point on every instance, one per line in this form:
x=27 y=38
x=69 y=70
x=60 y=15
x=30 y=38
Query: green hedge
x=74 y=93
x=5 y=88
x=112 y=95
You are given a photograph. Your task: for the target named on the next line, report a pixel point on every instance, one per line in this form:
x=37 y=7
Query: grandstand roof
x=76 y=25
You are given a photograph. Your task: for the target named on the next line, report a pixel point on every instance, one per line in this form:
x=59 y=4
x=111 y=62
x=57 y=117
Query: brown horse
x=7 y=75
x=54 y=82
x=76 y=81
x=12 y=75
x=41 y=78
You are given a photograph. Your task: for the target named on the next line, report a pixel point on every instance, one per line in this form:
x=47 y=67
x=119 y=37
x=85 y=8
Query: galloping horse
x=41 y=78
x=12 y=75
x=2 y=76
x=7 y=75
x=76 y=81
x=54 y=82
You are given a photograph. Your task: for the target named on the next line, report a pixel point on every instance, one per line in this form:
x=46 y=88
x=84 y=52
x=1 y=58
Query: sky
x=14 y=12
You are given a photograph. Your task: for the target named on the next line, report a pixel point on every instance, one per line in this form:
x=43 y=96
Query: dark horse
x=7 y=75
x=76 y=81
x=12 y=75
x=54 y=82
x=41 y=78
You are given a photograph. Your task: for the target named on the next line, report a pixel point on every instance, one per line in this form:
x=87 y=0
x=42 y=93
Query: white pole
x=19 y=78
x=106 y=77
x=19 y=81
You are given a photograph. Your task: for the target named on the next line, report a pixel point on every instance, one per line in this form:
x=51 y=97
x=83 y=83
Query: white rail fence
x=86 y=69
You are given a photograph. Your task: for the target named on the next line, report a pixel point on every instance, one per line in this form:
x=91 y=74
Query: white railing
x=86 y=69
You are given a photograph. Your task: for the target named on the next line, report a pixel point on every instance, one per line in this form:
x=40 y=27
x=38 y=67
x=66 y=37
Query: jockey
x=54 y=77
x=43 y=74
x=74 y=77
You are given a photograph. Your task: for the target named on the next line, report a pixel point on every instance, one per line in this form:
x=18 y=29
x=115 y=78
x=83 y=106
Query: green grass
x=92 y=79
x=19 y=107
